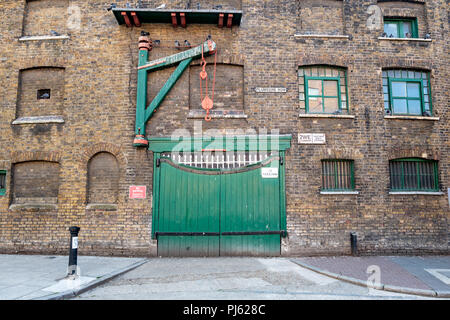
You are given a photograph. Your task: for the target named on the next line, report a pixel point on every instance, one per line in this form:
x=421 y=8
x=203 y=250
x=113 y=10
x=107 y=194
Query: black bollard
x=73 y=253
x=353 y=243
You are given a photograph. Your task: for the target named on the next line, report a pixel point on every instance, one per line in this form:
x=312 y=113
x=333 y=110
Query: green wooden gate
x=218 y=210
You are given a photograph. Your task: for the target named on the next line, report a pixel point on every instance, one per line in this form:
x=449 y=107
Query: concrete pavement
x=232 y=279
x=419 y=275
x=26 y=277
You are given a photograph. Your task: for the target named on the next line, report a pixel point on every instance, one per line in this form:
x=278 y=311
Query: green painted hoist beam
x=183 y=59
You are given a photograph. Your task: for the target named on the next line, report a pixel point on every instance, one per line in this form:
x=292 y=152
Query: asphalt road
x=231 y=279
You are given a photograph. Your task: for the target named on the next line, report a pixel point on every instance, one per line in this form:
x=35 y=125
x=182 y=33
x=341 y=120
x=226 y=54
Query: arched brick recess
x=104 y=147
x=323 y=60
x=51 y=156
x=415 y=152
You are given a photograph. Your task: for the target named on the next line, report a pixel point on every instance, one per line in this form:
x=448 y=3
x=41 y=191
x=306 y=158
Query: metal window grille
x=337 y=175
x=218 y=159
x=413 y=175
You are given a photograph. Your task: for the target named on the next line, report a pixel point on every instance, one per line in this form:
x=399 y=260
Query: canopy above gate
x=221 y=143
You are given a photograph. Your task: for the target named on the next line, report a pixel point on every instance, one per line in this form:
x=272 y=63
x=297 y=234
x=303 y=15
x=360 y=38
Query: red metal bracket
x=230 y=20
x=220 y=23
x=174 y=19
x=126 y=18
x=136 y=21
x=183 y=19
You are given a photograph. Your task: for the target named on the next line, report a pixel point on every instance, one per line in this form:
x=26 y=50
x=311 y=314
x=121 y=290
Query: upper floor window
x=407 y=92
x=413 y=174
x=2 y=182
x=323 y=89
x=400 y=28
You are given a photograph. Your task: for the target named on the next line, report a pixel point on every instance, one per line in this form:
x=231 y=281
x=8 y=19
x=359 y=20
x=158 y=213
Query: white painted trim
x=339 y=192
x=38 y=38
x=416 y=192
x=405 y=39
x=39 y=119
x=412 y=118
x=339 y=116
x=330 y=36
x=217 y=115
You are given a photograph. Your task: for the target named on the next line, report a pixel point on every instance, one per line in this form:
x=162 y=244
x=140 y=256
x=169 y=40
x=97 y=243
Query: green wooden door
x=188 y=214
x=219 y=212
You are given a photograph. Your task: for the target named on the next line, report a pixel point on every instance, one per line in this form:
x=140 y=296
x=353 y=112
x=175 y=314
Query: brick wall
x=32 y=80
x=100 y=61
x=43 y=16
x=103 y=178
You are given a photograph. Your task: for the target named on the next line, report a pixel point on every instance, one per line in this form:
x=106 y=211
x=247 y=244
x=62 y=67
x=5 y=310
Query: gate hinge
x=158 y=162
x=281 y=160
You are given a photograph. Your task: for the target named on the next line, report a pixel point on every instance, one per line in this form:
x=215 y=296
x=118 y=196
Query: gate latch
x=281 y=161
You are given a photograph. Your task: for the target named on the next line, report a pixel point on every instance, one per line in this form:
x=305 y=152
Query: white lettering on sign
x=269 y=173
x=138 y=192
x=75 y=243
x=311 y=138
x=270 y=90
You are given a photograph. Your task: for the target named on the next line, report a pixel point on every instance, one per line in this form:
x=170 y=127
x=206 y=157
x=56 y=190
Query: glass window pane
x=384 y=74
x=404 y=74
x=399 y=89
x=300 y=72
x=413 y=89
x=407 y=30
x=315 y=105
x=417 y=75
x=391 y=29
x=330 y=88
x=399 y=106
x=411 y=74
x=414 y=107
x=331 y=105
x=427 y=106
x=315 y=87
x=385 y=81
x=386 y=97
x=302 y=96
x=391 y=73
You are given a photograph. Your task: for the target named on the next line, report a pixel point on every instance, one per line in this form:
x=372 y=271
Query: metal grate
x=2 y=180
x=218 y=159
x=413 y=175
x=337 y=175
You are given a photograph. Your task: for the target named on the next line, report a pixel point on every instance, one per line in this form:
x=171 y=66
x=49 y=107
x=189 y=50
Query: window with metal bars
x=338 y=175
x=2 y=182
x=413 y=174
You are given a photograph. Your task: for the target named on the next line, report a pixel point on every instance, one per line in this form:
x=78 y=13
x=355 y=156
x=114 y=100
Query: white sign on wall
x=269 y=173
x=270 y=90
x=311 y=138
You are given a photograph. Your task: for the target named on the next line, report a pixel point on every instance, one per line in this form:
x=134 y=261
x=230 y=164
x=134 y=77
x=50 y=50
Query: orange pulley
x=207 y=102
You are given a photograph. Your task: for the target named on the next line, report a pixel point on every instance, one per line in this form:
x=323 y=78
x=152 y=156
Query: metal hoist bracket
x=183 y=59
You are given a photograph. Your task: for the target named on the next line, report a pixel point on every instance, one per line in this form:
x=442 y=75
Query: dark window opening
x=2 y=182
x=413 y=175
x=338 y=175
x=43 y=94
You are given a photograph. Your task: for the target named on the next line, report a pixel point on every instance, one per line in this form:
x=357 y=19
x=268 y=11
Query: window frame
x=399 y=22
x=421 y=98
x=336 y=176
x=307 y=95
x=402 y=177
x=3 y=190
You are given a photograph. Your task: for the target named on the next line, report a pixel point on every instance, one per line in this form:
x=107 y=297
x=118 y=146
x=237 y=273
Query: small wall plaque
x=311 y=138
x=270 y=90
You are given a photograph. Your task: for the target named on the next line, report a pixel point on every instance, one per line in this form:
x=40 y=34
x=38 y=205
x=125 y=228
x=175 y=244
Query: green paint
x=237 y=202
x=2 y=182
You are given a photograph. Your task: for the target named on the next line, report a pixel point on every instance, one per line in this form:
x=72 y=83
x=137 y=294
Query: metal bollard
x=353 y=243
x=73 y=253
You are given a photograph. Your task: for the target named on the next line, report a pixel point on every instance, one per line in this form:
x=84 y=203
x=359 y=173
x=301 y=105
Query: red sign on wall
x=138 y=192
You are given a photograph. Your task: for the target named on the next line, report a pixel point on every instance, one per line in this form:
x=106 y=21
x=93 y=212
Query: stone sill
x=39 y=119
x=338 y=192
x=217 y=114
x=438 y=193
x=405 y=39
x=321 y=36
x=38 y=38
x=412 y=118
x=102 y=206
x=33 y=206
x=338 y=116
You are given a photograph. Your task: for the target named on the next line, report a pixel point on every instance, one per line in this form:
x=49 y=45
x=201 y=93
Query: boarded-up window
x=45 y=17
x=41 y=92
x=229 y=86
x=35 y=182
x=103 y=178
x=321 y=17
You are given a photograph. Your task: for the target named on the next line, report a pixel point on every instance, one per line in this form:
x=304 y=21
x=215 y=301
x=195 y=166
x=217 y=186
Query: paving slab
x=38 y=276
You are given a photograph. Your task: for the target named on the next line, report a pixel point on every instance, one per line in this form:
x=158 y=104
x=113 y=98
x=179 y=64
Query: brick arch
x=50 y=156
x=341 y=153
x=414 y=152
x=393 y=63
x=105 y=147
x=331 y=61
